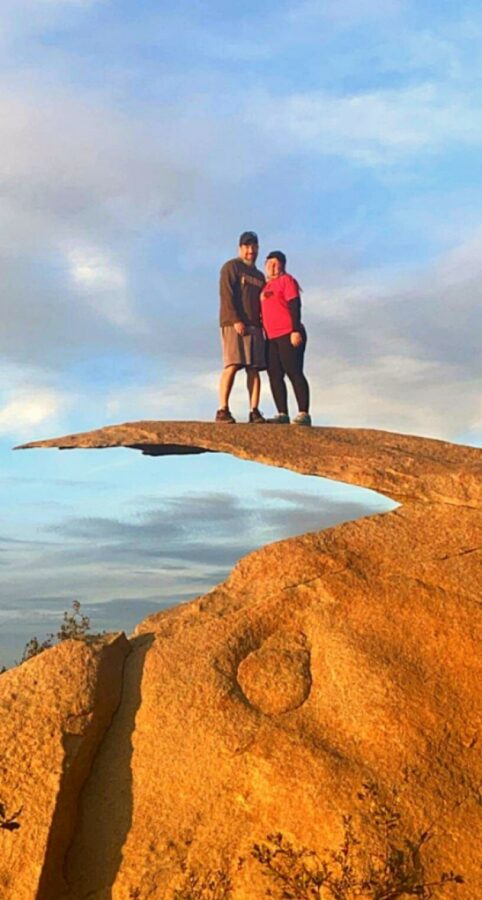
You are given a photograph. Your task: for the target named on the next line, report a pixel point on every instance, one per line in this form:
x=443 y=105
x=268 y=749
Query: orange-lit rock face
x=322 y=662
x=55 y=710
x=276 y=678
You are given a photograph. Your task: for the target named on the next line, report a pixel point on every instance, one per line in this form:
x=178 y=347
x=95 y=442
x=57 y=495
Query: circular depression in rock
x=276 y=677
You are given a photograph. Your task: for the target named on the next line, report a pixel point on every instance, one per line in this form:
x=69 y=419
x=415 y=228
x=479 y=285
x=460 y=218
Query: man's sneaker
x=302 y=419
x=256 y=417
x=280 y=419
x=223 y=415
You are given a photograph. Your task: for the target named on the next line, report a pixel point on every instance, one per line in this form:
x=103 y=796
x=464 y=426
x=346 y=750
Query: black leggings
x=284 y=359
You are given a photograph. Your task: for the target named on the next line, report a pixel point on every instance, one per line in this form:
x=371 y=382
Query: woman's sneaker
x=223 y=415
x=302 y=419
x=280 y=419
x=256 y=417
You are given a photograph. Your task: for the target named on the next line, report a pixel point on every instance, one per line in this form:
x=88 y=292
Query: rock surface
x=55 y=710
x=276 y=677
x=346 y=656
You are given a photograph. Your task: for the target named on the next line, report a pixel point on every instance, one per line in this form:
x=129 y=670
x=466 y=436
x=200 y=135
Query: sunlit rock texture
x=326 y=661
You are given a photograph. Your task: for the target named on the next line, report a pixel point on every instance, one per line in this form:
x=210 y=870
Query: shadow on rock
x=105 y=813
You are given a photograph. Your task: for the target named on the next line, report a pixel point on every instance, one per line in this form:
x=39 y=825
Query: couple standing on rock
x=261 y=329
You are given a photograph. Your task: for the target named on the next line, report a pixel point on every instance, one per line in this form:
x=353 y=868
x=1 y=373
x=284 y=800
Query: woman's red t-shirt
x=275 y=299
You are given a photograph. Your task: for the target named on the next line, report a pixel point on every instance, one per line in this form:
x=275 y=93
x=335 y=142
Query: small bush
x=215 y=885
x=9 y=821
x=33 y=647
x=75 y=626
x=390 y=869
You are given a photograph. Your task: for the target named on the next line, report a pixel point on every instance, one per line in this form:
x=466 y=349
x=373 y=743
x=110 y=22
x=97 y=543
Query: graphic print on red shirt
x=275 y=299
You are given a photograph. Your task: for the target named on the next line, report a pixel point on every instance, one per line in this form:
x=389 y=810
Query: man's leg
x=226 y=384
x=253 y=382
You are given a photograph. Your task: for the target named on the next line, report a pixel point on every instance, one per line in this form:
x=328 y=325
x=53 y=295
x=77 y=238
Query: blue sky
x=137 y=140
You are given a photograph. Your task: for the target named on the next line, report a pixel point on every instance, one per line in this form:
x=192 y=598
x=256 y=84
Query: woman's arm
x=296 y=336
x=294 y=307
x=292 y=295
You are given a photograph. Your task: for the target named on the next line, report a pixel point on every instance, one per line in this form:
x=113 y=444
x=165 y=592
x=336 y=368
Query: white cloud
x=72 y=166
x=29 y=14
x=406 y=395
x=348 y=13
x=63 y=3
x=103 y=283
x=187 y=395
x=400 y=352
x=80 y=183
x=91 y=269
x=374 y=128
x=463 y=262
x=29 y=406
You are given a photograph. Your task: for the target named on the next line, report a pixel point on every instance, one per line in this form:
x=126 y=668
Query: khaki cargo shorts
x=246 y=350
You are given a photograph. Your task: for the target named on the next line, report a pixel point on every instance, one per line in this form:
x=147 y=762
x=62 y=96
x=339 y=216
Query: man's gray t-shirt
x=240 y=287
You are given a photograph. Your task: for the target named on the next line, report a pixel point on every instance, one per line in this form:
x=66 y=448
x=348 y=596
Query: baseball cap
x=248 y=237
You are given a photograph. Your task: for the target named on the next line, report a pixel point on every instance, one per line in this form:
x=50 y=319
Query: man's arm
x=230 y=314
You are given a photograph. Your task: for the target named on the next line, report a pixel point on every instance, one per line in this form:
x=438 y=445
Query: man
x=242 y=336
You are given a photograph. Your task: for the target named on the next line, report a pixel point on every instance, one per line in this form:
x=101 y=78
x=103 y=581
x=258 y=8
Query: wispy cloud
x=349 y=13
x=29 y=398
x=69 y=158
x=29 y=408
x=372 y=128
x=401 y=352
x=179 y=396
x=103 y=283
x=193 y=533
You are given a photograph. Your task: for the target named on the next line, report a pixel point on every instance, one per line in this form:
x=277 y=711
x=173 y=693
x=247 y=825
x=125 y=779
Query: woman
x=286 y=339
